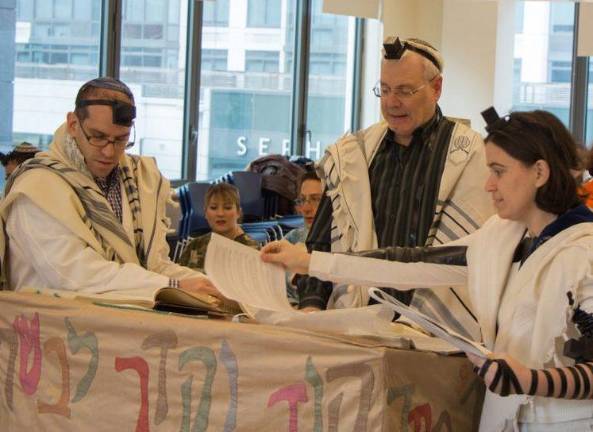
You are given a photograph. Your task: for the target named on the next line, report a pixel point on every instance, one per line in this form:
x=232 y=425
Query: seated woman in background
x=222 y=211
x=528 y=271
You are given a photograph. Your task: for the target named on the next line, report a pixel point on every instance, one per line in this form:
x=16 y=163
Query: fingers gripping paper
x=429 y=324
x=238 y=273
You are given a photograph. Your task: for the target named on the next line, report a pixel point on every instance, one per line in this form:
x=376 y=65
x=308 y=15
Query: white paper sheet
x=429 y=324
x=239 y=274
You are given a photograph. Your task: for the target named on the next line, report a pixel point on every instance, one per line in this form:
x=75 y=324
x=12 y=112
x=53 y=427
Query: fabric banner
x=71 y=365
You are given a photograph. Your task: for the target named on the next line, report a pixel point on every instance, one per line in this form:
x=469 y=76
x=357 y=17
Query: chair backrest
x=185 y=211
x=196 y=194
x=252 y=200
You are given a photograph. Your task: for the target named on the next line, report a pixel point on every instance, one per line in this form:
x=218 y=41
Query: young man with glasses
x=86 y=216
x=413 y=179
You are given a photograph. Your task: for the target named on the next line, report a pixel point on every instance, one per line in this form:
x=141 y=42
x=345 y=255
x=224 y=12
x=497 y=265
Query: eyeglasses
x=382 y=91
x=101 y=142
x=314 y=200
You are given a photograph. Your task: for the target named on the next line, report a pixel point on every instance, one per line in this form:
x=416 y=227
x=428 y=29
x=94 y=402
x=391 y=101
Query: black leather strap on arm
x=448 y=255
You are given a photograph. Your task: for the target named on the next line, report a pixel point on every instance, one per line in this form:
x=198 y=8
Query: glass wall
x=55 y=50
x=246 y=86
x=544 y=32
x=331 y=61
x=153 y=59
x=52 y=47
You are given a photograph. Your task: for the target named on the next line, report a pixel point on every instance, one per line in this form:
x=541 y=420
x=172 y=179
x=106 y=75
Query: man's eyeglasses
x=314 y=200
x=103 y=141
x=404 y=92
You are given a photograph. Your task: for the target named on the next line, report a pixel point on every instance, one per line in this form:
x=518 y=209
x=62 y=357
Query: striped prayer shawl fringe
x=129 y=175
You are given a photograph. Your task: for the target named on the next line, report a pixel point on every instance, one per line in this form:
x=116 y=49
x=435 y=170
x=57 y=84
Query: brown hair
x=226 y=191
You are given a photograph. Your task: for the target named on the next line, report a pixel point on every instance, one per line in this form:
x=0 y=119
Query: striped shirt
x=404 y=188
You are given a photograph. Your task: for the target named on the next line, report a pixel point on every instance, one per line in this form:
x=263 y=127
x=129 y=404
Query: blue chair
x=291 y=222
x=272 y=227
x=197 y=222
x=250 y=189
x=185 y=211
x=259 y=235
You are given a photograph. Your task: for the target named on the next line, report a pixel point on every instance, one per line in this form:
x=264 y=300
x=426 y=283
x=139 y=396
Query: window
x=545 y=57
x=263 y=13
x=83 y=10
x=216 y=13
x=62 y=9
x=330 y=82
x=243 y=115
x=214 y=59
x=51 y=63
x=154 y=68
x=155 y=10
x=245 y=102
x=560 y=71
x=43 y=9
x=261 y=61
x=24 y=10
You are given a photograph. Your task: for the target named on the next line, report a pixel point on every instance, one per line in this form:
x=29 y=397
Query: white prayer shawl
x=462 y=206
x=58 y=199
x=542 y=317
x=541 y=313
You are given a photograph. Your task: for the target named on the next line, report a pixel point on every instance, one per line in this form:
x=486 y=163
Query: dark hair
x=100 y=87
x=534 y=135
x=19 y=154
x=309 y=175
x=19 y=158
x=226 y=191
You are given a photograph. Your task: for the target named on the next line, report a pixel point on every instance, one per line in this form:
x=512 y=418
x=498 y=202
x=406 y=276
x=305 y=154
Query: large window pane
x=153 y=63
x=51 y=58
x=216 y=13
x=263 y=13
x=245 y=107
x=330 y=79
x=543 y=56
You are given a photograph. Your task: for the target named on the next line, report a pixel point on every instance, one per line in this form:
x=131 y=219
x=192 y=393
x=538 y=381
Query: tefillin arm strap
x=573 y=382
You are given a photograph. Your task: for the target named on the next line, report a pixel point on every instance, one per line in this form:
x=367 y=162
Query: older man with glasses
x=85 y=216
x=413 y=179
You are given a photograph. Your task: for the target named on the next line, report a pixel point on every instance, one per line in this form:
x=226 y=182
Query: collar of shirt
x=422 y=133
x=108 y=182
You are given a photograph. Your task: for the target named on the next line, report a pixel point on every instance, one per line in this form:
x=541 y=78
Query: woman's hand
x=502 y=374
x=294 y=258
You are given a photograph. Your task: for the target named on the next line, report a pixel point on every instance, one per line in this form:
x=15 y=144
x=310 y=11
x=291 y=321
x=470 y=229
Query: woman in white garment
x=528 y=271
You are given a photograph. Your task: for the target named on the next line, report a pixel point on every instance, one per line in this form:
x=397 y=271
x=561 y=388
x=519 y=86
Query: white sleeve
x=349 y=269
x=62 y=261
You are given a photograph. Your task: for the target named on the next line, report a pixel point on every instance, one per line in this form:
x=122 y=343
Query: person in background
x=528 y=270
x=86 y=216
x=11 y=160
x=586 y=188
x=223 y=212
x=310 y=193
